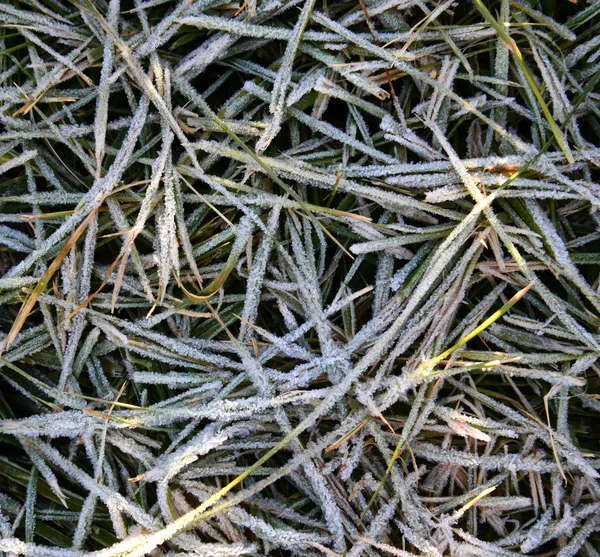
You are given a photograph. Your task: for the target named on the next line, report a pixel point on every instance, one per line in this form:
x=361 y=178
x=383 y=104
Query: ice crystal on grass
x=299 y=278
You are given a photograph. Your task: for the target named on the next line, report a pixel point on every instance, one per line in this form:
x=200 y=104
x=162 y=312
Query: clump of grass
x=299 y=278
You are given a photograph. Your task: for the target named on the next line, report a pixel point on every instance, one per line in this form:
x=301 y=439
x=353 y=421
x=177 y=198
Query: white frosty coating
x=30 y=500
x=257 y=275
x=17 y=161
x=335 y=63
x=560 y=252
x=561 y=30
x=18 y=547
x=85 y=521
x=326 y=128
x=98 y=490
x=16 y=240
x=95 y=196
x=279 y=537
x=284 y=77
x=104 y=88
x=206 y=440
x=326 y=344
x=144 y=213
x=219 y=550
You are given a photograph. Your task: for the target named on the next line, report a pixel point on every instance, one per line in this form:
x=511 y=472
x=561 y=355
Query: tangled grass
x=299 y=278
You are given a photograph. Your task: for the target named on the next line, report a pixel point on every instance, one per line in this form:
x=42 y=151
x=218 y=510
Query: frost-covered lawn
x=299 y=278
